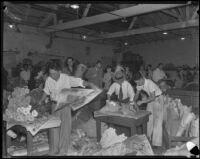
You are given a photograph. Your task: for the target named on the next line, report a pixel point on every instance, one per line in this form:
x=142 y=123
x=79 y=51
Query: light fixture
x=124 y=20
x=74 y=6
x=125 y=43
x=84 y=37
x=182 y=38
x=11 y=26
x=165 y=33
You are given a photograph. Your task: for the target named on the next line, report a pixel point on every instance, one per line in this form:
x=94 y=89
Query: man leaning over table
x=53 y=85
x=154 y=125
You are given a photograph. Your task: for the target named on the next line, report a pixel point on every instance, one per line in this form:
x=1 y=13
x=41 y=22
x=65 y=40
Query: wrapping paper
x=140 y=144
x=181 y=150
x=81 y=97
x=37 y=125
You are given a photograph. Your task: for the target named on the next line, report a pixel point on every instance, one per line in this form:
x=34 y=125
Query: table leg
x=133 y=130
x=8 y=143
x=50 y=141
x=144 y=127
x=98 y=130
x=29 y=144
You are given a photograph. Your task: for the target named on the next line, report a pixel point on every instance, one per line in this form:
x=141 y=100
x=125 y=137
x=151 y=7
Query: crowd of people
x=118 y=82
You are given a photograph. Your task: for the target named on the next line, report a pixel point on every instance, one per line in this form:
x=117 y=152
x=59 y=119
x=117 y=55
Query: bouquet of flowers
x=19 y=108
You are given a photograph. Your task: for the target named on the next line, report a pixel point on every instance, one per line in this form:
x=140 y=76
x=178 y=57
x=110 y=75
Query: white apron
x=154 y=125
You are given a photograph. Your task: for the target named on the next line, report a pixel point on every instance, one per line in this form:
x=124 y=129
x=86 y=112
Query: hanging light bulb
x=84 y=37
x=125 y=43
x=11 y=26
x=74 y=6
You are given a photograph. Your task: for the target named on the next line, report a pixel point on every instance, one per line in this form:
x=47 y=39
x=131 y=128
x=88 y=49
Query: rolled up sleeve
x=46 y=87
x=111 y=89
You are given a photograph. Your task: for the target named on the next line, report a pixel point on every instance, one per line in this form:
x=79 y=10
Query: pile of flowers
x=19 y=107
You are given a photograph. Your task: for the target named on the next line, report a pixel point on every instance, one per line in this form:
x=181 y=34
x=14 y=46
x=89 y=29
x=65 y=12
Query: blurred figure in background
x=119 y=67
x=149 y=72
x=128 y=74
x=107 y=78
x=25 y=74
x=95 y=74
x=80 y=70
x=142 y=71
x=158 y=73
x=178 y=81
x=69 y=67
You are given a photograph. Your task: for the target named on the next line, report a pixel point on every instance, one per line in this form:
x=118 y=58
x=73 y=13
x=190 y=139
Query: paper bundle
x=76 y=97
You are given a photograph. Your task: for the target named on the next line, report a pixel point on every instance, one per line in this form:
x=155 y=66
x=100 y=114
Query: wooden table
x=30 y=136
x=131 y=123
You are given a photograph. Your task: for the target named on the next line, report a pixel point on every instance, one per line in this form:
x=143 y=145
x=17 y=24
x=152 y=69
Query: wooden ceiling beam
x=167 y=12
x=195 y=13
x=132 y=23
x=171 y=26
x=181 y=13
x=114 y=15
x=187 y=11
x=86 y=10
x=177 y=13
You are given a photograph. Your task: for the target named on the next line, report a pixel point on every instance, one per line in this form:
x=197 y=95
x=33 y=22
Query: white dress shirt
x=127 y=90
x=150 y=87
x=53 y=87
x=158 y=75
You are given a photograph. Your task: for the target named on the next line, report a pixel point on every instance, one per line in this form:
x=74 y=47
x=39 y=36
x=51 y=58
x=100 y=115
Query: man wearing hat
x=122 y=88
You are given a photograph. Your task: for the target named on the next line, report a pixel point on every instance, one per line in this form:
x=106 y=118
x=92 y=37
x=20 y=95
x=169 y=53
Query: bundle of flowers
x=19 y=108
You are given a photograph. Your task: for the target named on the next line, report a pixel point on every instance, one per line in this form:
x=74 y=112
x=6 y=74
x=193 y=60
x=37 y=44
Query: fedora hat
x=119 y=76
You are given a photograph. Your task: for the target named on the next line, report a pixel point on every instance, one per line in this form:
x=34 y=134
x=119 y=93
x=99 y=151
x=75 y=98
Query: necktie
x=120 y=94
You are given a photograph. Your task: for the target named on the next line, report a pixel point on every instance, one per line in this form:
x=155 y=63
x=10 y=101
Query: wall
x=32 y=39
x=177 y=52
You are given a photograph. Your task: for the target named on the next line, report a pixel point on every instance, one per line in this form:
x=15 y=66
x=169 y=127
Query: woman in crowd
x=178 y=81
x=107 y=78
x=158 y=73
x=142 y=71
x=149 y=72
x=128 y=74
x=69 y=67
x=25 y=74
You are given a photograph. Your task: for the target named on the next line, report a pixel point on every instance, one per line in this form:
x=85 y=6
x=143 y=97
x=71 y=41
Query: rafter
x=86 y=10
x=114 y=15
x=176 y=12
x=132 y=23
x=187 y=11
x=172 y=14
x=181 y=13
x=195 y=13
x=158 y=28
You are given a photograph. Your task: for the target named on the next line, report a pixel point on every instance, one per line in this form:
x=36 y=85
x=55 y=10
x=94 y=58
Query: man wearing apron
x=154 y=125
x=53 y=85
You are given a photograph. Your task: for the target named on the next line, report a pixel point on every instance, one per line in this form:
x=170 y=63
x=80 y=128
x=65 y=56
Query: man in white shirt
x=156 y=117
x=121 y=88
x=53 y=85
x=158 y=73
